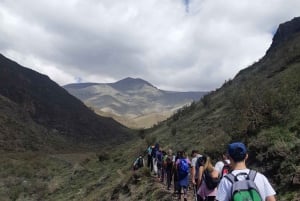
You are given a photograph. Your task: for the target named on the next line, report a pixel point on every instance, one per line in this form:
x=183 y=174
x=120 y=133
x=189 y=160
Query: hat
x=237 y=151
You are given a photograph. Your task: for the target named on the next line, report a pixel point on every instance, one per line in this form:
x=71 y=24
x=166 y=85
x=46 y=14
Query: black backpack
x=210 y=182
x=226 y=169
x=199 y=162
x=140 y=162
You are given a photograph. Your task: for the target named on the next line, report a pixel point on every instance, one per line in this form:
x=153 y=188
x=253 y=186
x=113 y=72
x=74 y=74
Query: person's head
x=194 y=153
x=181 y=154
x=225 y=156
x=170 y=152
x=207 y=163
x=237 y=152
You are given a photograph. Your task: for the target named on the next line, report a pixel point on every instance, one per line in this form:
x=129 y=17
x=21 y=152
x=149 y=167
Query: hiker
x=183 y=169
x=223 y=165
x=138 y=163
x=238 y=155
x=149 y=159
x=194 y=172
x=168 y=163
x=163 y=168
x=153 y=155
x=208 y=180
x=159 y=161
x=175 y=173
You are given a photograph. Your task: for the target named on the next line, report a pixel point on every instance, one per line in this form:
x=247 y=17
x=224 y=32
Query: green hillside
x=260 y=106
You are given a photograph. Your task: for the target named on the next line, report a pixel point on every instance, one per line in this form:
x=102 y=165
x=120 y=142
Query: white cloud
x=159 y=41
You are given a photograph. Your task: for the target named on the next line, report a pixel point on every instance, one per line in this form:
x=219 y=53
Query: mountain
x=35 y=107
x=133 y=102
x=260 y=106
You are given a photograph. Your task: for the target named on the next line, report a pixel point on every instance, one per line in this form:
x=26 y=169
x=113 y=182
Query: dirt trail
x=163 y=186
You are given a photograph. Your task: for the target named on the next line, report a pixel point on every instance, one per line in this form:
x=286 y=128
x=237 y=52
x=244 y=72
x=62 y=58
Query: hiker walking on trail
x=183 y=169
x=175 y=173
x=241 y=176
x=149 y=159
x=163 y=167
x=223 y=166
x=194 y=172
x=159 y=161
x=138 y=163
x=168 y=163
x=153 y=154
x=208 y=180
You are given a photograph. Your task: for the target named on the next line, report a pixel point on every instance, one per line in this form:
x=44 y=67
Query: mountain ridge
x=133 y=99
x=52 y=107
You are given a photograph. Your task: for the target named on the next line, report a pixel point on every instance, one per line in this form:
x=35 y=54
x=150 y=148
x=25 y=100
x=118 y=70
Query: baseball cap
x=237 y=151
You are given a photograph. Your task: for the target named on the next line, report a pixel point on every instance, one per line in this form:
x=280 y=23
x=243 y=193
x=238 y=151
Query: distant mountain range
x=132 y=101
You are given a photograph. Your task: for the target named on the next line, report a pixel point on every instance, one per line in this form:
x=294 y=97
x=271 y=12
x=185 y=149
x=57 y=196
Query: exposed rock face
x=285 y=31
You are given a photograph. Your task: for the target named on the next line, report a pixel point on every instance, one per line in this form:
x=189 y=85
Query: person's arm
x=201 y=169
x=193 y=171
x=270 y=198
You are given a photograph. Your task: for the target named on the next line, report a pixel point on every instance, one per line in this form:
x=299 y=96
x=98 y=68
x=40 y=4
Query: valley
x=54 y=147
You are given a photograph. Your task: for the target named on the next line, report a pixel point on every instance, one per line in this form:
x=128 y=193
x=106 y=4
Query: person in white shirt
x=220 y=164
x=237 y=153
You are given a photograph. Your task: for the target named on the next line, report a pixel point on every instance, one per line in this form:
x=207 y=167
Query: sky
x=180 y=45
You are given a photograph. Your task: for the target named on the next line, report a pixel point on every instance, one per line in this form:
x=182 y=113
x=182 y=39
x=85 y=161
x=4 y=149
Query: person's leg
x=185 y=193
x=149 y=161
x=179 y=192
x=168 y=178
x=162 y=177
x=158 y=170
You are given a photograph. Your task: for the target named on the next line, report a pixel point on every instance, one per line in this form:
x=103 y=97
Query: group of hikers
x=228 y=180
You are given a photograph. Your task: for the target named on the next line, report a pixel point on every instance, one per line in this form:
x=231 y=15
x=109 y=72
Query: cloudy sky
x=180 y=45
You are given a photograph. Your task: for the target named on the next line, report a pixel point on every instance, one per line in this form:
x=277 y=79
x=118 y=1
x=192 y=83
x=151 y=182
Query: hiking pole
x=195 y=193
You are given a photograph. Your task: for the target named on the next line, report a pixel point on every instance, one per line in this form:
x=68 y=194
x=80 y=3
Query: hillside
x=260 y=106
x=34 y=107
x=132 y=101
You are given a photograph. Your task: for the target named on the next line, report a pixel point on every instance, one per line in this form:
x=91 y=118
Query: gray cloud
x=159 y=41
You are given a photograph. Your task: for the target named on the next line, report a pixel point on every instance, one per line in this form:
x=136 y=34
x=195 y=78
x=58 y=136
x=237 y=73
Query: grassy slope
x=260 y=106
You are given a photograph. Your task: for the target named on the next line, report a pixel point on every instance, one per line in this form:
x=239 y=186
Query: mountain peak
x=130 y=83
x=285 y=31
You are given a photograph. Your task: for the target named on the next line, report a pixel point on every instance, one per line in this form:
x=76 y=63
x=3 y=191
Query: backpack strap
x=230 y=177
x=252 y=175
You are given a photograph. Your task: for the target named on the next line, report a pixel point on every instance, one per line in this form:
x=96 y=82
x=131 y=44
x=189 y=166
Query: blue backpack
x=183 y=168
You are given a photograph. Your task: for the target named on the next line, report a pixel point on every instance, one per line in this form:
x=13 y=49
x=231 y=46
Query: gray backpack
x=244 y=189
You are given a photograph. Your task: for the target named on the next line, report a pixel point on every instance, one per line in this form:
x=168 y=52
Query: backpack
x=210 y=182
x=183 y=167
x=140 y=162
x=169 y=160
x=226 y=169
x=244 y=189
x=199 y=162
x=159 y=157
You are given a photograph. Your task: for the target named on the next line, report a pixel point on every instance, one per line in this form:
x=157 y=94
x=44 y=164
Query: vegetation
x=260 y=106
